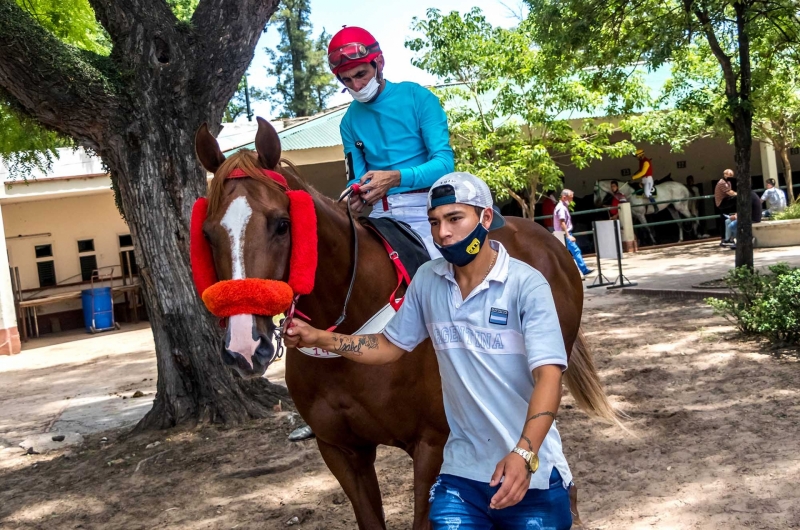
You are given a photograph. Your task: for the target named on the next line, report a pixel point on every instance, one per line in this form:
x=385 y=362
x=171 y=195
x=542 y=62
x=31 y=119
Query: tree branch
x=71 y=91
x=229 y=30
x=723 y=59
x=120 y=18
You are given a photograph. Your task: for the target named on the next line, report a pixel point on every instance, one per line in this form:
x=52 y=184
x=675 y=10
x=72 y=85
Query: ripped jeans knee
x=462 y=504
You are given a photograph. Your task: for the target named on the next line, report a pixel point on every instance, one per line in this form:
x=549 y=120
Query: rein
x=293 y=310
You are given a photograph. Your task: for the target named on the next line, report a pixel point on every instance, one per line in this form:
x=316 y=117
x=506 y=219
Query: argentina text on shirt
x=462 y=335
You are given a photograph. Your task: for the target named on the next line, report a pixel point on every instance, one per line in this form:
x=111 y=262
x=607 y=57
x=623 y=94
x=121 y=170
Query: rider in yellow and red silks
x=645 y=173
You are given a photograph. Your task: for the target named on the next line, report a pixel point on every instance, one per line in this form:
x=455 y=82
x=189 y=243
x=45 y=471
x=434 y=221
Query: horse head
x=600 y=192
x=242 y=246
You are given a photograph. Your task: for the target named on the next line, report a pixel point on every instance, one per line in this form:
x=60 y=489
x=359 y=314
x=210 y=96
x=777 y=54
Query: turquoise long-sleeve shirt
x=404 y=129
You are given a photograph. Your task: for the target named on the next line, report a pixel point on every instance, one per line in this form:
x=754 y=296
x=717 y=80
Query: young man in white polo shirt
x=493 y=324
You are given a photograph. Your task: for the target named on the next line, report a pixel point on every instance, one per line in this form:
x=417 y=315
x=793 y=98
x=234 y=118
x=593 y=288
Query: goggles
x=351 y=52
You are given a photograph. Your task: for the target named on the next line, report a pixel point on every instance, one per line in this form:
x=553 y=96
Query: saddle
x=404 y=246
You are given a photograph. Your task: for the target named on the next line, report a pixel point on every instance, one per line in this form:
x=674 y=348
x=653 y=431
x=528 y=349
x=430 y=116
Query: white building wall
x=66 y=221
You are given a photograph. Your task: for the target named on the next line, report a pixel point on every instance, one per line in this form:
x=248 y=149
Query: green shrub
x=792 y=212
x=763 y=304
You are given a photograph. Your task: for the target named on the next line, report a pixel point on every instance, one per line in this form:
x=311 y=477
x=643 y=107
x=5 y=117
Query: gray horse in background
x=676 y=193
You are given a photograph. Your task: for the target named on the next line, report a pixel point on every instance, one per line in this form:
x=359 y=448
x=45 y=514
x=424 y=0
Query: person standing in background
x=563 y=221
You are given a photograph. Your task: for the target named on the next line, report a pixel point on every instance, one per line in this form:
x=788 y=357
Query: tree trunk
x=193 y=383
x=523 y=204
x=787 y=174
x=139 y=109
x=743 y=143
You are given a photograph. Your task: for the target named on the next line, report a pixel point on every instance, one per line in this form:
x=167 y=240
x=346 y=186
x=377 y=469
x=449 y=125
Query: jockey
x=645 y=173
x=395 y=136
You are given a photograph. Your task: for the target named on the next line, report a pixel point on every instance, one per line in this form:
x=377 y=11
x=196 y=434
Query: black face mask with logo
x=462 y=253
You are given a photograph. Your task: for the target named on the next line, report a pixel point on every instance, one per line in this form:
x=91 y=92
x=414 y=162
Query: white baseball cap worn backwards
x=464 y=188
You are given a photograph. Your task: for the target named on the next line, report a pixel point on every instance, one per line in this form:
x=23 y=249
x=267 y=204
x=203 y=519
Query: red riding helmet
x=350 y=47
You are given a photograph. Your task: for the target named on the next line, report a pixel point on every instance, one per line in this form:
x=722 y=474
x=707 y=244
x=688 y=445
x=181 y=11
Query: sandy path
x=717 y=445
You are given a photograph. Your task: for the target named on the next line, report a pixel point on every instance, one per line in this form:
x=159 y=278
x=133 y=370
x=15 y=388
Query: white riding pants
x=412 y=209
x=647 y=184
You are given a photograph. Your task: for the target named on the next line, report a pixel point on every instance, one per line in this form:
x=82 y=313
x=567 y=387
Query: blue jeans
x=730 y=229
x=462 y=504
x=575 y=250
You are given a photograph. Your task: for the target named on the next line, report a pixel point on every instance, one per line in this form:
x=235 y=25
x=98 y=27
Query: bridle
x=258 y=296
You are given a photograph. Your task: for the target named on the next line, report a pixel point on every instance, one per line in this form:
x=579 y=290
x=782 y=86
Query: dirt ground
x=714 y=443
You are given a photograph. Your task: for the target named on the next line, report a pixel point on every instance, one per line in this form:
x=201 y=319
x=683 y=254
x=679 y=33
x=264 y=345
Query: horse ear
x=268 y=145
x=207 y=149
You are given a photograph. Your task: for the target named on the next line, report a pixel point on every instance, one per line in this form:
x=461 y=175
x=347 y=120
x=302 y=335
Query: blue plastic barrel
x=102 y=308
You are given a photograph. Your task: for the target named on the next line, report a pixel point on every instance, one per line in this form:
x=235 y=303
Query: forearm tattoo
x=355 y=345
x=545 y=413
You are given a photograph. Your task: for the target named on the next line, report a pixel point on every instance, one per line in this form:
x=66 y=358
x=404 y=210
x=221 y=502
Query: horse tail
x=584 y=384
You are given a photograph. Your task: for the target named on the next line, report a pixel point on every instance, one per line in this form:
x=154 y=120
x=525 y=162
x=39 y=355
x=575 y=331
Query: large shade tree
x=692 y=104
x=613 y=35
x=138 y=108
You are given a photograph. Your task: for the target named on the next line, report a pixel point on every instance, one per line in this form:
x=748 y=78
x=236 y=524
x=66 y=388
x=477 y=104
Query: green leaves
x=516 y=117
x=764 y=304
x=72 y=21
x=183 y=9
x=300 y=63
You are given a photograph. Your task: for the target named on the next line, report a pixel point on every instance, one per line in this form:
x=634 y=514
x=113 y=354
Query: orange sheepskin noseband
x=255 y=296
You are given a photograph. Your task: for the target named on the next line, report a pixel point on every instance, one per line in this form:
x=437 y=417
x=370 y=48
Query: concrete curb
x=676 y=294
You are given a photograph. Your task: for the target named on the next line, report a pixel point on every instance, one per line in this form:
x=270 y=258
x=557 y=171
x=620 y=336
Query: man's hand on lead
x=298 y=334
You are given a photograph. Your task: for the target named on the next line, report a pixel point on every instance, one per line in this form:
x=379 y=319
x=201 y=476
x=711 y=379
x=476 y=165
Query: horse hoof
x=302 y=433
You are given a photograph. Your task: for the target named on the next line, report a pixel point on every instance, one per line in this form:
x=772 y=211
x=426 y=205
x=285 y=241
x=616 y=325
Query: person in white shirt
x=493 y=324
x=775 y=199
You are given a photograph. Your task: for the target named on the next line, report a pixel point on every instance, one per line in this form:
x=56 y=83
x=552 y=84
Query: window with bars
x=86 y=245
x=43 y=251
x=127 y=256
x=87 y=258
x=47 y=273
x=45 y=265
x=88 y=266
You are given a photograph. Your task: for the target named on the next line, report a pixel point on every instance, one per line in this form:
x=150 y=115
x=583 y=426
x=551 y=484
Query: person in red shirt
x=548 y=208
x=616 y=198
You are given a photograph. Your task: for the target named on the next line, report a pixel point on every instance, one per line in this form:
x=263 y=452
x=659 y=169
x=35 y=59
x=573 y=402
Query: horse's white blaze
x=241 y=326
x=235 y=222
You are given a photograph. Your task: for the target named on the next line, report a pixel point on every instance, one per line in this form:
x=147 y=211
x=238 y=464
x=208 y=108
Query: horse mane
x=247 y=161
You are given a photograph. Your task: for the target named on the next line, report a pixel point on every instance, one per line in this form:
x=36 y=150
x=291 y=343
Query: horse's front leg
x=427 y=457
x=354 y=468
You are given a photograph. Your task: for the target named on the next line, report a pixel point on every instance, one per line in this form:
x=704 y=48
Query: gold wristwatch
x=530 y=458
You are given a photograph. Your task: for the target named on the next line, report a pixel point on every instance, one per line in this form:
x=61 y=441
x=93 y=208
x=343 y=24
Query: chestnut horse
x=352 y=407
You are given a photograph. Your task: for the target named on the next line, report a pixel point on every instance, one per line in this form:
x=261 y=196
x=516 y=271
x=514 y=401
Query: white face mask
x=367 y=93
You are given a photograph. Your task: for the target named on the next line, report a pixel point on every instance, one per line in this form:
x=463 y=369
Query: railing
x=655 y=223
